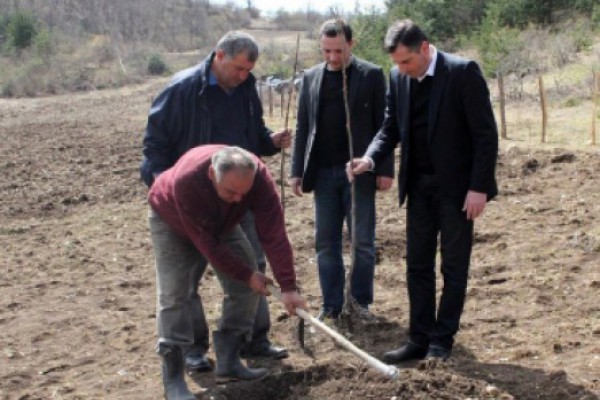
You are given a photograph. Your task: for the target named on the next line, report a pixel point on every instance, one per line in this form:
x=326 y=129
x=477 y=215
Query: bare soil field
x=77 y=291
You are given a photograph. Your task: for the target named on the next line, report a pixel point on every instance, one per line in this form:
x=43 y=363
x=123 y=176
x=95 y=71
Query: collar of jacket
x=205 y=72
x=351 y=64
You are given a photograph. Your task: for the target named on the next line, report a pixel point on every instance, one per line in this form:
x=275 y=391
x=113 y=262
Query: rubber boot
x=196 y=360
x=173 y=373
x=229 y=365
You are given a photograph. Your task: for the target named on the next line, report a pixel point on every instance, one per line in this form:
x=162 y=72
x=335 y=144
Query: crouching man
x=196 y=207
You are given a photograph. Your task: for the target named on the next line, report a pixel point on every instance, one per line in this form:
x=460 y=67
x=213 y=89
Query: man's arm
x=484 y=137
x=300 y=139
x=385 y=170
x=385 y=141
x=164 y=120
x=270 y=228
x=482 y=127
x=267 y=145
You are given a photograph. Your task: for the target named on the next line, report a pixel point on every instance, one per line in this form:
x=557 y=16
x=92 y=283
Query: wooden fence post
x=502 y=106
x=544 y=110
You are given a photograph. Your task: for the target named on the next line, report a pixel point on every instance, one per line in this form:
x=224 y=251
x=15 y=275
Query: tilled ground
x=77 y=288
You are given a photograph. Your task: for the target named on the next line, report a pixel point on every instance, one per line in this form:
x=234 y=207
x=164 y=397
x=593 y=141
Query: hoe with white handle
x=388 y=370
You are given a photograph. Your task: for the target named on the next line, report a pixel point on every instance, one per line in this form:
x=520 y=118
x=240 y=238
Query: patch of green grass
x=571 y=74
x=572 y=102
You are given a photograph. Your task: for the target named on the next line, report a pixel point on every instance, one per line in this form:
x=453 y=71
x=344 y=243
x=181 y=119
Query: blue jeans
x=177 y=263
x=332 y=199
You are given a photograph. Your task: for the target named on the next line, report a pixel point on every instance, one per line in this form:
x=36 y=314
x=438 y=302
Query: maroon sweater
x=185 y=198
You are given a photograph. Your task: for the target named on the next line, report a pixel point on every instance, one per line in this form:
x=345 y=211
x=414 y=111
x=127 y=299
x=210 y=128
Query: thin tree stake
x=349 y=300
x=287 y=118
x=282 y=167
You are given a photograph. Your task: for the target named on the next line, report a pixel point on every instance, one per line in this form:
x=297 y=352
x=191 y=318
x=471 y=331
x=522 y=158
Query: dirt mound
x=340 y=382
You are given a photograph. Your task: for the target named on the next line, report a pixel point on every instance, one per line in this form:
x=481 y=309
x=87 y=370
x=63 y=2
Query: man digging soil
x=196 y=208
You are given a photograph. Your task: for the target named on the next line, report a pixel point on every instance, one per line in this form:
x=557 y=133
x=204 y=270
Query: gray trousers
x=262 y=320
x=177 y=265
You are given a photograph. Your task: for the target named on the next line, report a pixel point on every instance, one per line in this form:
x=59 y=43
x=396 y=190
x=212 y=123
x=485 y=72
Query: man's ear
x=211 y=174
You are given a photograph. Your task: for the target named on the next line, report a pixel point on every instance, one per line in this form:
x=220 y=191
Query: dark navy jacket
x=179 y=120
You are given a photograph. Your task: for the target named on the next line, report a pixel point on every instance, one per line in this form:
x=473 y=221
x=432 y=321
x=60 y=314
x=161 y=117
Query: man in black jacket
x=439 y=109
x=214 y=102
x=321 y=150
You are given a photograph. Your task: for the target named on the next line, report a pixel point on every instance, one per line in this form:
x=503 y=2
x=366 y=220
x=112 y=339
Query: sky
x=269 y=7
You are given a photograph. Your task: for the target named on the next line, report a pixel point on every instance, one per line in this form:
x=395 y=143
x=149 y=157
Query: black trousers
x=428 y=214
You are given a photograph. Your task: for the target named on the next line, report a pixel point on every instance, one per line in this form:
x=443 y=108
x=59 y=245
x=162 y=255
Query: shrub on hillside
x=596 y=17
x=156 y=65
x=20 y=31
x=42 y=44
x=572 y=102
x=369 y=32
x=581 y=33
x=8 y=89
x=26 y=81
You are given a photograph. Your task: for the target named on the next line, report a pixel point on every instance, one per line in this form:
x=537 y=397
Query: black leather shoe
x=410 y=351
x=198 y=363
x=438 y=352
x=266 y=351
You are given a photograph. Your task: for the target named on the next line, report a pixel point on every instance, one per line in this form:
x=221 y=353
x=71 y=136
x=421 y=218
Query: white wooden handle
x=388 y=370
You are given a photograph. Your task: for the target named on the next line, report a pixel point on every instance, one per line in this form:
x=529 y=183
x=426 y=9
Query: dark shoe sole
x=267 y=354
x=408 y=355
x=279 y=356
x=390 y=360
x=199 y=369
x=220 y=380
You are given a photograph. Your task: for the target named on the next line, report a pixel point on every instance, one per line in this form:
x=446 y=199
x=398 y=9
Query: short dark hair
x=236 y=42
x=332 y=27
x=405 y=33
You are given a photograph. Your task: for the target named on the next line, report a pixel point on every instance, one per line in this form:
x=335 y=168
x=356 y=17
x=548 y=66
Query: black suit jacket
x=366 y=101
x=462 y=133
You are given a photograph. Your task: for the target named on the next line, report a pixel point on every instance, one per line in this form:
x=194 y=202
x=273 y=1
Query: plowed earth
x=77 y=291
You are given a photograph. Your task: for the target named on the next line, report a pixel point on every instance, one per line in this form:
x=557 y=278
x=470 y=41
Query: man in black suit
x=439 y=109
x=321 y=151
